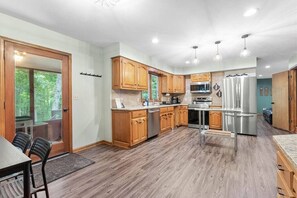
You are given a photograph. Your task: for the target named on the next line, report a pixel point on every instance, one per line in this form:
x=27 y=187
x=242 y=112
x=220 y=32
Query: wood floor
x=174 y=165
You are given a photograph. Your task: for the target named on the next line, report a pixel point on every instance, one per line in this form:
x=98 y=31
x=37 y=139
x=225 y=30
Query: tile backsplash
x=128 y=98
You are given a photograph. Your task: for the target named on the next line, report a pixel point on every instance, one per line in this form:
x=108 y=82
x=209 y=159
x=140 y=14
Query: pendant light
x=218 y=56
x=196 y=60
x=245 y=52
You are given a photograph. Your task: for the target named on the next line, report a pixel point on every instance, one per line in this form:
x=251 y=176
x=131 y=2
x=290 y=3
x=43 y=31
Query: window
x=22 y=92
x=153 y=90
x=47 y=95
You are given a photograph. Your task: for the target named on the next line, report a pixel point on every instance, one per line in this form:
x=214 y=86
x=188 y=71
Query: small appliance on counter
x=175 y=100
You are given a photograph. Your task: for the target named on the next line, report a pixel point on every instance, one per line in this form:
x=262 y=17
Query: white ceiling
x=179 y=24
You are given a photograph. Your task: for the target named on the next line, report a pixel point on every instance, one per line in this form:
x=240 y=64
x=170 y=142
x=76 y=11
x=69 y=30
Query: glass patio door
x=37 y=95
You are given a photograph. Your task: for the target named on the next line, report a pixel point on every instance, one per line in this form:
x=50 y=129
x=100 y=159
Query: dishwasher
x=153 y=122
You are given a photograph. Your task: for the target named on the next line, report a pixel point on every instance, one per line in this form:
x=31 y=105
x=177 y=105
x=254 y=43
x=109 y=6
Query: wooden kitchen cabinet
x=167 y=83
x=183 y=118
x=215 y=120
x=129 y=127
x=166 y=118
x=203 y=77
x=178 y=84
x=286 y=186
x=128 y=74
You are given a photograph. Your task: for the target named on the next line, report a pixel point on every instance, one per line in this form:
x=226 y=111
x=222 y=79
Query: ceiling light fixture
x=218 y=56
x=267 y=66
x=107 y=3
x=196 y=60
x=187 y=62
x=155 y=40
x=250 y=12
x=245 y=52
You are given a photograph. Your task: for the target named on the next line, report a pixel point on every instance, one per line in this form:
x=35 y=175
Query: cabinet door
x=129 y=69
x=135 y=132
x=163 y=122
x=142 y=129
x=116 y=73
x=142 y=78
x=184 y=117
x=215 y=120
x=170 y=83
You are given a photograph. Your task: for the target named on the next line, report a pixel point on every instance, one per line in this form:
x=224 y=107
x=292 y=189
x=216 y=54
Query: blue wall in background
x=263 y=101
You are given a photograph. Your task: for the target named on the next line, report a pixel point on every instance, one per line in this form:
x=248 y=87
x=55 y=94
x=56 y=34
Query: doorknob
x=65 y=109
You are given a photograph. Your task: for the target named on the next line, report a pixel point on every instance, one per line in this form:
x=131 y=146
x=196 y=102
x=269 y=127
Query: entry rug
x=60 y=167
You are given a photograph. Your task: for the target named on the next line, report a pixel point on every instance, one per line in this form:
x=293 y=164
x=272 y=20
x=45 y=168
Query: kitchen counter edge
x=148 y=107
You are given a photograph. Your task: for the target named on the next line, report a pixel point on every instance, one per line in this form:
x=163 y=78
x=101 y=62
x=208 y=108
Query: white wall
x=87 y=108
x=293 y=61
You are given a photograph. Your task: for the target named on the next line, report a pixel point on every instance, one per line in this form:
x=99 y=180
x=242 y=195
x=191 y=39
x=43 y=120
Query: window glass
x=154 y=87
x=22 y=92
x=47 y=96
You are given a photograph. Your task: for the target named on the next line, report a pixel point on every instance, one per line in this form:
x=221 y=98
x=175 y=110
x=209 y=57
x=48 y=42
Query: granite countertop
x=147 y=107
x=288 y=144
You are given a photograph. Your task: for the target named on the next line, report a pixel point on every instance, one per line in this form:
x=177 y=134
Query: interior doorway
x=37 y=94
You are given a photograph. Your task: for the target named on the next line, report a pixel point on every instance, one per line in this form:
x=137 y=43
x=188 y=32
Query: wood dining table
x=12 y=160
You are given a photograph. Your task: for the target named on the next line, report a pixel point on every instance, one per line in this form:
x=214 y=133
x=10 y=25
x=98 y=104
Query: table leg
x=26 y=180
x=200 y=136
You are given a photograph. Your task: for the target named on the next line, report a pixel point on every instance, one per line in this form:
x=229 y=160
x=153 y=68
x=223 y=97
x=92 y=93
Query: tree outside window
x=153 y=90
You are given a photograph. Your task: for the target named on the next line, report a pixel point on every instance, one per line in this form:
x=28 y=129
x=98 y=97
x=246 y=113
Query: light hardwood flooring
x=174 y=165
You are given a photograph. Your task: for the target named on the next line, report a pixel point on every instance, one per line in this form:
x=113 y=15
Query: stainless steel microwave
x=200 y=87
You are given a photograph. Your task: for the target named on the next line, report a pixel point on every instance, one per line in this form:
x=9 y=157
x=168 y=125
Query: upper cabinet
x=204 y=77
x=173 y=84
x=178 y=84
x=128 y=74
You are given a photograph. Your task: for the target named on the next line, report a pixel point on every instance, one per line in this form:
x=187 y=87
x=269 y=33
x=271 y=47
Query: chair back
x=41 y=148
x=22 y=141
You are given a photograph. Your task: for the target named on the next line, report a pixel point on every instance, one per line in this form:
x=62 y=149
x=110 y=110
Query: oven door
x=193 y=119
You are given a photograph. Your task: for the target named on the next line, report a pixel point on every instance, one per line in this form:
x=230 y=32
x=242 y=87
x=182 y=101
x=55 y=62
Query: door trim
x=44 y=51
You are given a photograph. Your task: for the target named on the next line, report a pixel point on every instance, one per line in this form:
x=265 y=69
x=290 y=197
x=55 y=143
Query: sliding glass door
x=37 y=100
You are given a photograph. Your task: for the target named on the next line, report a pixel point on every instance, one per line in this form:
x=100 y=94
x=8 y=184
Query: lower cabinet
x=166 y=118
x=215 y=120
x=129 y=127
x=286 y=179
x=183 y=116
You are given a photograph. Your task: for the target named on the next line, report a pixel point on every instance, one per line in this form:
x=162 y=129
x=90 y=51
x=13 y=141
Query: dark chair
x=40 y=148
x=22 y=141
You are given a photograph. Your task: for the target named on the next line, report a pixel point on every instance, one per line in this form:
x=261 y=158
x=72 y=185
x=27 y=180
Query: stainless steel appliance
x=193 y=117
x=200 y=87
x=240 y=92
x=153 y=122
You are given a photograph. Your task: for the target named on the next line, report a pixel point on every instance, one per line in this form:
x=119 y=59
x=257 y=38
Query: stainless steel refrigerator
x=241 y=93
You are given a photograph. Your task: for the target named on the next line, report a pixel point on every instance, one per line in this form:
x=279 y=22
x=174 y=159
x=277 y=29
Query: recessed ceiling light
x=260 y=75
x=267 y=66
x=155 y=40
x=187 y=62
x=250 y=12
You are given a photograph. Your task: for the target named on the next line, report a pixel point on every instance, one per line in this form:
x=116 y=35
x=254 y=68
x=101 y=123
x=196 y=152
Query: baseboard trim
x=89 y=146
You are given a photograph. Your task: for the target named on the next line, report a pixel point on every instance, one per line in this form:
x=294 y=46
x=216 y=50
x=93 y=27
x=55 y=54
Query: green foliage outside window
x=47 y=94
x=153 y=90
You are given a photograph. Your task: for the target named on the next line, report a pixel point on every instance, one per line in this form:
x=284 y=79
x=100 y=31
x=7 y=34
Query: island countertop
x=288 y=144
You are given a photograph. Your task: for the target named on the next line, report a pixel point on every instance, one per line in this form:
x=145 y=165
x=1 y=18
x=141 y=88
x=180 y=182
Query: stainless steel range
x=193 y=118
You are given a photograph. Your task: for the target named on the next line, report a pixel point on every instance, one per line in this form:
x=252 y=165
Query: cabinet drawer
x=163 y=110
x=183 y=107
x=140 y=113
x=285 y=169
x=282 y=187
x=170 y=109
